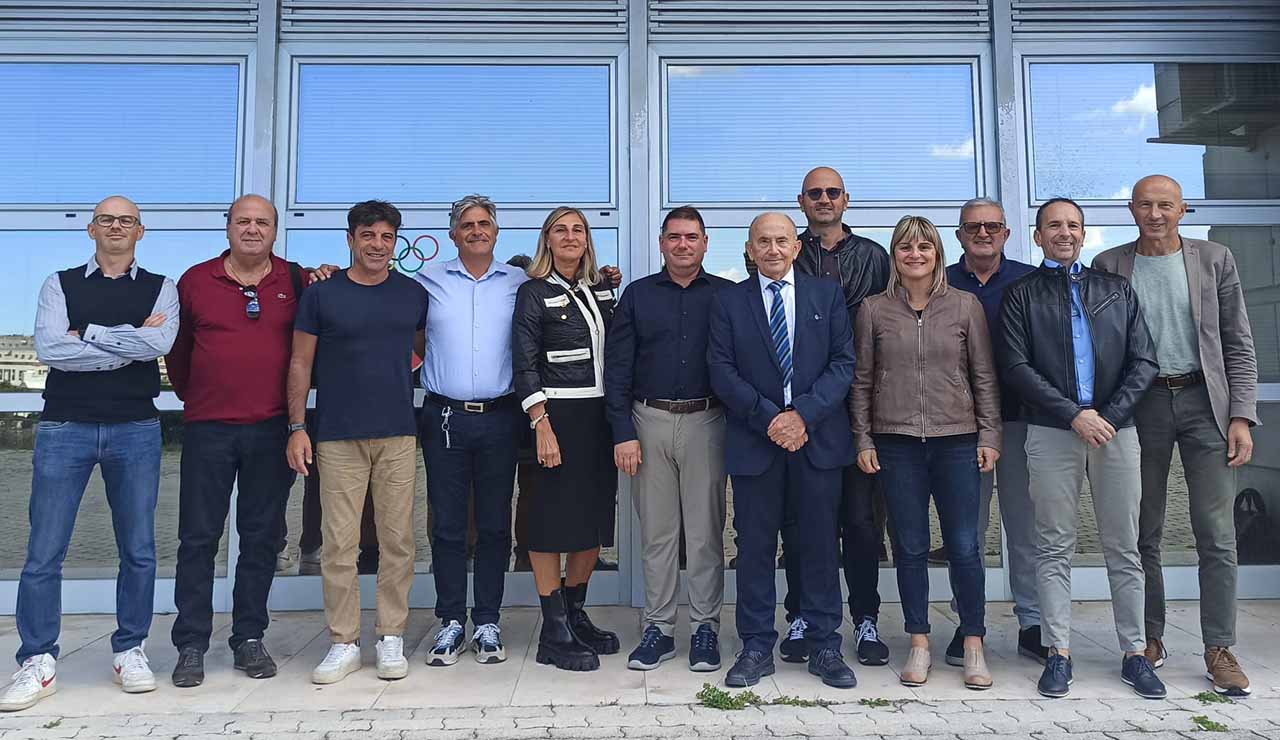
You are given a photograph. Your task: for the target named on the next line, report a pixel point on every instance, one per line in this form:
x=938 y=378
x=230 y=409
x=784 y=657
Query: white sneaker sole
x=44 y=691
x=134 y=687
x=448 y=659
x=1236 y=693
x=335 y=676
x=393 y=671
x=499 y=656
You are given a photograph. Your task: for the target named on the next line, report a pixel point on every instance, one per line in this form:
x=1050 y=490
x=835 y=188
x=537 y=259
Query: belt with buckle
x=473 y=407
x=692 y=406
x=1186 y=380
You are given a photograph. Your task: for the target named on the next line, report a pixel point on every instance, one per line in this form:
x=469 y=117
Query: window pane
x=1257 y=259
x=750 y=133
x=419 y=133
x=311 y=247
x=29 y=257
x=1098 y=128
x=157 y=133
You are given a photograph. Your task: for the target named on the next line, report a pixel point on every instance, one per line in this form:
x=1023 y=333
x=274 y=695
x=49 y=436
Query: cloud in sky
x=1124 y=193
x=953 y=151
x=1141 y=103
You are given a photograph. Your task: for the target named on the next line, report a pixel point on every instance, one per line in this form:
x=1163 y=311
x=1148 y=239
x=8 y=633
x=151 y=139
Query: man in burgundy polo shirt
x=228 y=365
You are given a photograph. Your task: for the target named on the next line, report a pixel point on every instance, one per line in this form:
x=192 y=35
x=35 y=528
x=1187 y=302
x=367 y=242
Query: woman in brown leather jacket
x=926 y=417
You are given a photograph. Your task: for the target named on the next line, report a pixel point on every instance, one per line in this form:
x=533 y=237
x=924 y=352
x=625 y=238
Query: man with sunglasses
x=829 y=248
x=229 y=366
x=101 y=328
x=985 y=271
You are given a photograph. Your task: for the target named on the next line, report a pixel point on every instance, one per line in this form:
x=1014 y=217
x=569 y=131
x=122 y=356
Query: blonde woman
x=557 y=348
x=926 y=418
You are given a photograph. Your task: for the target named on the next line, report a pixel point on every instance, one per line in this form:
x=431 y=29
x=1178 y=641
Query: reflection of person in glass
x=669 y=437
x=926 y=416
x=1076 y=350
x=1205 y=399
x=780 y=355
x=236 y=333
x=101 y=328
x=985 y=270
x=359 y=328
x=561 y=316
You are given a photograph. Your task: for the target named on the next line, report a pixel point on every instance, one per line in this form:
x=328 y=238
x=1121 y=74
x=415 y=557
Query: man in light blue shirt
x=1081 y=339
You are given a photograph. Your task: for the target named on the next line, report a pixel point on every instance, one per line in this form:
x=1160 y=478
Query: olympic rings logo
x=411 y=250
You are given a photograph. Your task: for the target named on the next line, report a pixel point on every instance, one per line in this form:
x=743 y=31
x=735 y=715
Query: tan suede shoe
x=976 y=675
x=916 y=671
x=1221 y=668
x=1155 y=652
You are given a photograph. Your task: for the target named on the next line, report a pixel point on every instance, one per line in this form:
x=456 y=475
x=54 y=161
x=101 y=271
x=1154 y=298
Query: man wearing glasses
x=229 y=365
x=101 y=328
x=986 y=272
x=829 y=248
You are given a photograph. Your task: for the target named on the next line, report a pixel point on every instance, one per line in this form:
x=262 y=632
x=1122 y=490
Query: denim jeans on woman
x=910 y=470
x=66 y=452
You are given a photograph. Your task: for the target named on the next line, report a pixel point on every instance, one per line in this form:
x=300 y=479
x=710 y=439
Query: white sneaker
x=34 y=681
x=285 y=564
x=342 y=660
x=132 y=671
x=391 y=660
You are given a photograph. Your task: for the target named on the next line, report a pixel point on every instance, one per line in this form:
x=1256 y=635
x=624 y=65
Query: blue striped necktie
x=778 y=328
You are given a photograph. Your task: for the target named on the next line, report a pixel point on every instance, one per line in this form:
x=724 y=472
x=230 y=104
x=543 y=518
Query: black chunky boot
x=557 y=644
x=604 y=643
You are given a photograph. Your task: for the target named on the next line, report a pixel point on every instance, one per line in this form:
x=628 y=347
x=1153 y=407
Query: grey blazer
x=1217 y=305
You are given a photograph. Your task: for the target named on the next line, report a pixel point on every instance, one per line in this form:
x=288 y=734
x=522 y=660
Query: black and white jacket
x=557 y=339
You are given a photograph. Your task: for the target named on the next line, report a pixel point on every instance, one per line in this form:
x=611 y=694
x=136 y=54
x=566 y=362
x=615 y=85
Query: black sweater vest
x=109 y=396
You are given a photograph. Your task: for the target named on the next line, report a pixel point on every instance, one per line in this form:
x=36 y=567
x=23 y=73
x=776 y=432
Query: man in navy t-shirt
x=358 y=330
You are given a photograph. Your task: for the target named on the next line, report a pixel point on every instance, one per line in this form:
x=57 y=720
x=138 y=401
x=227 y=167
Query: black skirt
x=575 y=503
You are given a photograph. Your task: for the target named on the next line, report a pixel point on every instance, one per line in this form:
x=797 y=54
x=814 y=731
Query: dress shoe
x=751 y=666
x=829 y=665
x=189 y=672
x=252 y=658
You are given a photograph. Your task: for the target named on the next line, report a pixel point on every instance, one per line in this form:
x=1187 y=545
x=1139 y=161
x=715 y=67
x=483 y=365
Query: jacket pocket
x=603 y=295
x=556 y=301
x=1115 y=296
x=568 y=355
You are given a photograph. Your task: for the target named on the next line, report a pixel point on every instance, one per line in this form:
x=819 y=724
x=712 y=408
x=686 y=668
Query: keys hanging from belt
x=445 y=413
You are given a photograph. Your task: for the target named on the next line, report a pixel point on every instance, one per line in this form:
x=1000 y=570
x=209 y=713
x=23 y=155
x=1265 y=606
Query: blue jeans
x=910 y=470
x=66 y=451
x=479 y=460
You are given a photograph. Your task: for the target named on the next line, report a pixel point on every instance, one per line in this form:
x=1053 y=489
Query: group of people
x=838 y=380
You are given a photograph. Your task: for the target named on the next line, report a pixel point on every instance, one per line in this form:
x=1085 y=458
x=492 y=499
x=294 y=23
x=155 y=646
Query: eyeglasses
x=253 y=308
x=106 y=219
x=815 y=194
x=973 y=227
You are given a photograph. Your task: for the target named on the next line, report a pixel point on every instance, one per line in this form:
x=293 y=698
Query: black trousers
x=216 y=456
x=860 y=540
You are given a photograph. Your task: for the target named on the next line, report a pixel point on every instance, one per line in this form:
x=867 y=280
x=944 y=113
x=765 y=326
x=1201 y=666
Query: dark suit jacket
x=746 y=375
x=1227 y=355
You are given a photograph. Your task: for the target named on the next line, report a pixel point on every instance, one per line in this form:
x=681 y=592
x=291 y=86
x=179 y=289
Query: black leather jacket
x=554 y=352
x=1038 y=360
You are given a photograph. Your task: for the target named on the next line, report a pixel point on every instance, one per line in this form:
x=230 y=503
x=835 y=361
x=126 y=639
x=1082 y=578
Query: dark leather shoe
x=1055 y=681
x=189 y=672
x=751 y=666
x=252 y=658
x=1138 y=672
x=1029 y=644
x=955 y=650
x=828 y=665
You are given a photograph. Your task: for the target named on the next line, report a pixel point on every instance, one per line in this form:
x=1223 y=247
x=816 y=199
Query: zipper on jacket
x=920 y=344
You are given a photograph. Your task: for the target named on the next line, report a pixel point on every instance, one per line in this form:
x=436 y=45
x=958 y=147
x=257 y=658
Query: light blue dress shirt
x=1081 y=338
x=469 y=329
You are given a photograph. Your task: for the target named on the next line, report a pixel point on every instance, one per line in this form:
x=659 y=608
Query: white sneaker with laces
x=34 y=680
x=342 y=660
x=391 y=661
x=487 y=643
x=132 y=671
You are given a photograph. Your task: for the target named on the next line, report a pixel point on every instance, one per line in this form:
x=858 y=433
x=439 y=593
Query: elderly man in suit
x=1205 y=400
x=780 y=356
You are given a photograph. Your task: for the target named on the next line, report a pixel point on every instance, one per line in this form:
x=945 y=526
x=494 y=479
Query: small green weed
x=1207 y=724
x=1212 y=697
x=717 y=698
x=875 y=703
x=795 y=701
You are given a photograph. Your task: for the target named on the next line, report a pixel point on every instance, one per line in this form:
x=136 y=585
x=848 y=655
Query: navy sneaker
x=871 y=650
x=1138 y=672
x=449 y=642
x=794 y=649
x=654 y=648
x=704 y=650
x=1056 y=680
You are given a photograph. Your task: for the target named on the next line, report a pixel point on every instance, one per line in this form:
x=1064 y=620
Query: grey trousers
x=1057 y=461
x=1184 y=416
x=681 y=485
x=1018 y=519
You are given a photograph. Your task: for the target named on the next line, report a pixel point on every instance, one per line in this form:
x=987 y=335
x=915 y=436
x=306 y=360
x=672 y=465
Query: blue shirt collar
x=455 y=265
x=1075 y=266
x=92 y=267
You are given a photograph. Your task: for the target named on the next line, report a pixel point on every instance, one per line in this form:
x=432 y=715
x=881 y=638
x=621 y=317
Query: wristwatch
x=296 y=427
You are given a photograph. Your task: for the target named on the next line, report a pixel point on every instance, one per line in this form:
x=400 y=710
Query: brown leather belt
x=682 y=407
x=1174 y=382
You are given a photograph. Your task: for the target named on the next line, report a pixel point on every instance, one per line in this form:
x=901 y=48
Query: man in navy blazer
x=781 y=360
